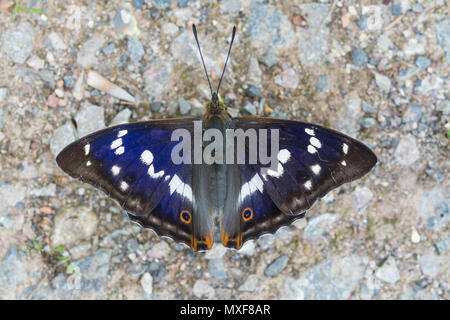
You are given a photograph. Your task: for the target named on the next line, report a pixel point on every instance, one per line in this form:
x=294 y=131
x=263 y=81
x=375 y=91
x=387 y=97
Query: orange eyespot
x=247 y=214
x=185 y=216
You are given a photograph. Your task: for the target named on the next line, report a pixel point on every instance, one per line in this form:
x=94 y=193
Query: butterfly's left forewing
x=132 y=163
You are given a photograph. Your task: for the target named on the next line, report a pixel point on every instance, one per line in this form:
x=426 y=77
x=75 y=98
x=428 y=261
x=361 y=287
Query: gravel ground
x=377 y=70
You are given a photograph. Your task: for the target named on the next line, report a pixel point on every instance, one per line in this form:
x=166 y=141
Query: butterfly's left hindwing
x=132 y=163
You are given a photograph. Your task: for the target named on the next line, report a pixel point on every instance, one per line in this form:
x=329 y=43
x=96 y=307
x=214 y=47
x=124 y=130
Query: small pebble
x=415 y=237
x=359 y=57
x=423 y=62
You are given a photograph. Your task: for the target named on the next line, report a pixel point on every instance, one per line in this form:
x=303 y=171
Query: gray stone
x=433 y=209
x=335 y=278
x=430 y=264
x=156 y=79
x=347 y=119
x=442 y=246
x=367 y=107
x=388 y=272
x=62 y=137
x=202 y=290
x=250 y=283
x=95 y=266
x=56 y=41
x=288 y=79
x=323 y=83
x=170 y=28
x=359 y=57
x=157 y=106
x=124 y=21
x=6 y=222
x=87 y=55
x=122 y=117
x=135 y=49
x=4 y=92
x=252 y=91
x=318 y=225
x=89 y=118
x=266 y=241
x=12 y=272
x=250 y=108
x=184 y=106
x=284 y=234
x=161 y=4
x=216 y=252
x=361 y=197
x=218 y=269
x=147 y=283
x=276 y=266
x=313 y=40
x=10 y=195
x=367 y=122
x=269 y=60
x=230 y=7
x=46 y=191
x=413 y=114
x=423 y=62
x=442 y=29
x=109 y=48
x=269 y=30
x=406 y=152
x=184 y=50
x=18 y=42
x=400 y=6
x=159 y=250
x=73 y=224
x=248 y=248
x=383 y=82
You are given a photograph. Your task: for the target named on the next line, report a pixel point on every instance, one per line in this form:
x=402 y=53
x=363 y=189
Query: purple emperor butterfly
x=133 y=164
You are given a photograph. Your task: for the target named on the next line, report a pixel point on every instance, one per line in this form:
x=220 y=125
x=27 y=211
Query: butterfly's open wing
x=132 y=164
x=312 y=160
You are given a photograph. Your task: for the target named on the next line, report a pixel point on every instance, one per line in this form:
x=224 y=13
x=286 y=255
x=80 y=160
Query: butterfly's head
x=216 y=103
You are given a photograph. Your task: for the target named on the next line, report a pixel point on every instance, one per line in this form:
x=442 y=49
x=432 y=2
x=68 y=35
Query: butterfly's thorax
x=216 y=117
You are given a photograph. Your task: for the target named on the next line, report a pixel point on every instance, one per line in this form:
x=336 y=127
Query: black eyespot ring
x=247 y=214
x=185 y=216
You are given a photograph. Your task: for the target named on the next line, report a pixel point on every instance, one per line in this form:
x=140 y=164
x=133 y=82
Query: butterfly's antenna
x=194 y=29
x=228 y=55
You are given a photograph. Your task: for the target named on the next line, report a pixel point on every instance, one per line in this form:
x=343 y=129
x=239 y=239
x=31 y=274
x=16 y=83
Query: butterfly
x=133 y=164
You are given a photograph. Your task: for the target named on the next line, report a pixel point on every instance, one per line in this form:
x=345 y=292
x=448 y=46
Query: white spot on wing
x=310 y=131
x=251 y=186
x=316 y=169
x=277 y=173
x=183 y=189
x=315 y=142
x=116 y=143
x=284 y=155
x=345 y=148
x=147 y=157
x=123 y=186
x=155 y=175
x=311 y=149
x=88 y=163
x=344 y=163
x=115 y=170
x=119 y=151
x=308 y=185
x=121 y=133
x=87 y=148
